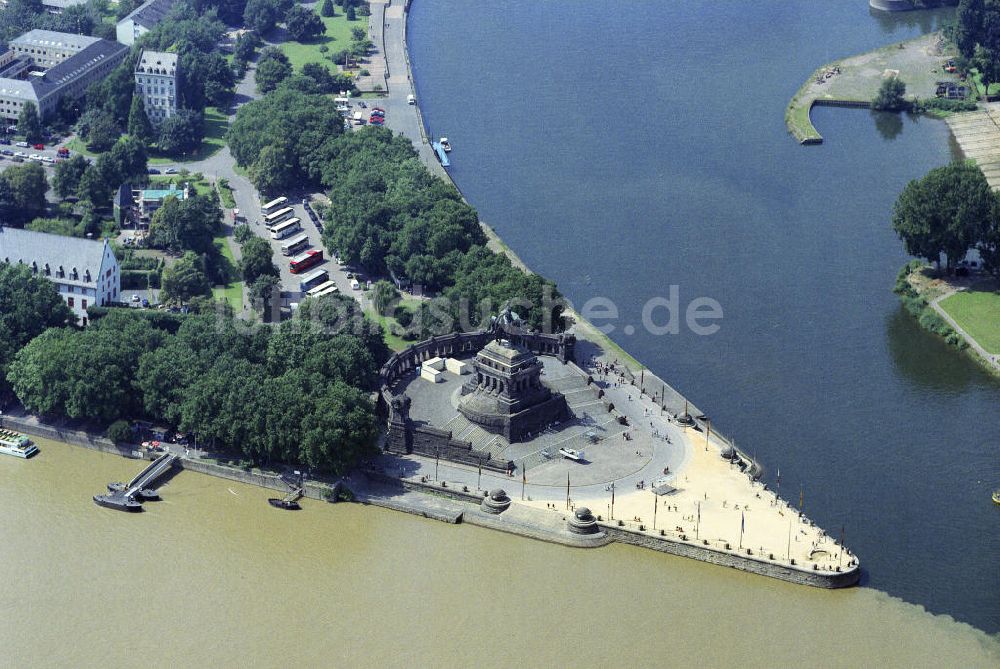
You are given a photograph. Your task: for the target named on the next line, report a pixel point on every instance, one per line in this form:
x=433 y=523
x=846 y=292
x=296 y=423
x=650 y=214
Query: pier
x=127 y=497
x=978 y=135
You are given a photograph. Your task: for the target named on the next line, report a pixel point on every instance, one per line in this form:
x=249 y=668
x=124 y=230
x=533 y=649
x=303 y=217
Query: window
x=83 y=303
x=69 y=301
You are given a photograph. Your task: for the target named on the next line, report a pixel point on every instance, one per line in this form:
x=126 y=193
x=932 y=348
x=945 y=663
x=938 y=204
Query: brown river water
x=212 y=576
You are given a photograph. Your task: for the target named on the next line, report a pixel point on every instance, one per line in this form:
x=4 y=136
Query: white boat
x=445 y=144
x=571 y=453
x=16 y=444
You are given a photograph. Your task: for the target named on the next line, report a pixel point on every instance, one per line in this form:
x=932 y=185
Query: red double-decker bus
x=303 y=262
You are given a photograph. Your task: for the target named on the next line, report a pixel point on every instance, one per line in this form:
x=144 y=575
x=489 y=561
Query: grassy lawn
x=216 y=125
x=226 y=194
x=337 y=37
x=233 y=292
x=978 y=80
x=200 y=187
x=978 y=312
x=388 y=323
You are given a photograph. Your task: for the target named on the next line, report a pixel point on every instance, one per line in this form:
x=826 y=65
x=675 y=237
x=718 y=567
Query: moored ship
x=16 y=444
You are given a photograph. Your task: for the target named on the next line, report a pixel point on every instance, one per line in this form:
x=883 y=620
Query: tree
x=272 y=171
x=383 y=296
x=303 y=24
x=29 y=305
x=989 y=241
x=66 y=179
x=93 y=188
x=119 y=432
x=22 y=193
x=29 y=123
x=100 y=130
x=257 y=260
x=189 y=225
x=890 y=96
x=943 y=212
x=261 y=15
x=87 y=373
x=242 y=233
x=124 y=163
x=340 y=431
x=327 y=9
x=351 y=14
x=139 y=126
x=181 y=133
x=262 y=292
x=185 y=279
x=246 y=47
x=271 y=70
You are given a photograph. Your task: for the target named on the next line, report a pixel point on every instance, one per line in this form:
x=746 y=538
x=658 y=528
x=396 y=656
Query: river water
x=212 y=576
x=621 y=148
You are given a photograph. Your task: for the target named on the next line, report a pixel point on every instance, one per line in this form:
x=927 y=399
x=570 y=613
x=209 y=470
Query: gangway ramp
x=155 y=470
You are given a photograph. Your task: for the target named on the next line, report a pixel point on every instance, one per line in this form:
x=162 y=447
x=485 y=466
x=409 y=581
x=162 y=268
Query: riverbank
x=854 y=81
x=960 y=310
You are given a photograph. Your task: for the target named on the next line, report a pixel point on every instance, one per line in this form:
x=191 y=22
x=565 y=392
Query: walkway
x=978 y=135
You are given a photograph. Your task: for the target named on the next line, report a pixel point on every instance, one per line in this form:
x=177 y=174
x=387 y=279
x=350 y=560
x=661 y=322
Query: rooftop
x=27 y=246
x=50 y=38
x=151 y=12
x=152 y=61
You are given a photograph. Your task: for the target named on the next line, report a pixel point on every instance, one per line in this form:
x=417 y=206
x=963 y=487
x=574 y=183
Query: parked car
x=145 y=303
x=136 y=298
x=18 y=159
x=38 y=147
x=170 y=170
x=48 y=159
x=23 y=145
x=7 y=152
x=63 y=151
x=4 y=141
x=152 y=170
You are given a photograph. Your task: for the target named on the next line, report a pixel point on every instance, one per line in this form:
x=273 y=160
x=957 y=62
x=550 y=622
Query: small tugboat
x=287 y=504
x=445 y=144
x=16 y=444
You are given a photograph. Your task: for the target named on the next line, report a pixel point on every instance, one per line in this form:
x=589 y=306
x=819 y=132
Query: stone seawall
x=764 y=567
x=74 y=437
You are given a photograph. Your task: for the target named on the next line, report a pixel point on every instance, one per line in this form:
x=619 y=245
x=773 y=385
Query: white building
x=142 y=19
x=85 y=272
x=156 y=82
x=42 y=66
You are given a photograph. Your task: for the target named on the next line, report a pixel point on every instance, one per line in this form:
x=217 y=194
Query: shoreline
x=853 y=81
x=454 y=505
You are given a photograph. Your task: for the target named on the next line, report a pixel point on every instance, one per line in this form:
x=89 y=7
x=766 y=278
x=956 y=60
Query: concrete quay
x=978 y=135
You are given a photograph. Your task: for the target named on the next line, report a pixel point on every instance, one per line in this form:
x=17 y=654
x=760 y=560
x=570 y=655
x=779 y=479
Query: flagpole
x=743 y=520
x=788 y=551
x=479 y=481
x=612 y=500
x=567 y=490
x=697 y=525
x=840 y=560
x=656 y=503
x=524 y=480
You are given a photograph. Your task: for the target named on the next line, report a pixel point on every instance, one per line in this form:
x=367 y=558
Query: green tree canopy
x=890 y=96
x=181 y=133
x=303 y=24
x=190 y=224
x=273 y=67
x=28 y=306
x=139 y=126
x=257 y=260
x=185 y=279
x=29 y=124
x=943 y=212
x=67 y=174
x=22 y=193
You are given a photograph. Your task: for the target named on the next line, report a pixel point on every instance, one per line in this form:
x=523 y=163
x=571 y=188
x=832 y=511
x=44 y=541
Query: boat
x=16 y=444
x=996 y=496
x=445 y=144
x=149 y=494
x=571 y=453
x=116 y=486
x=288 y=505
x=118 y=501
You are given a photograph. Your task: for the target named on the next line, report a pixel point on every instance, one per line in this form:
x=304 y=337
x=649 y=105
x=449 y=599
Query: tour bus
x=274 y=205
x=314 y=279
x=282 y=230
x=294 y=245
x=278 y=216
x=301 y=263
x=324 y=288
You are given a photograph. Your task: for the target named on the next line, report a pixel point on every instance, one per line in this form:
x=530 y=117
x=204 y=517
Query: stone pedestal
x=582 y=522
x=496 y=502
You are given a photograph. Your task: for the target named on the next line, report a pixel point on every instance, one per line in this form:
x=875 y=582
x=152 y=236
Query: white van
x=411 y=99
x=355 y=285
